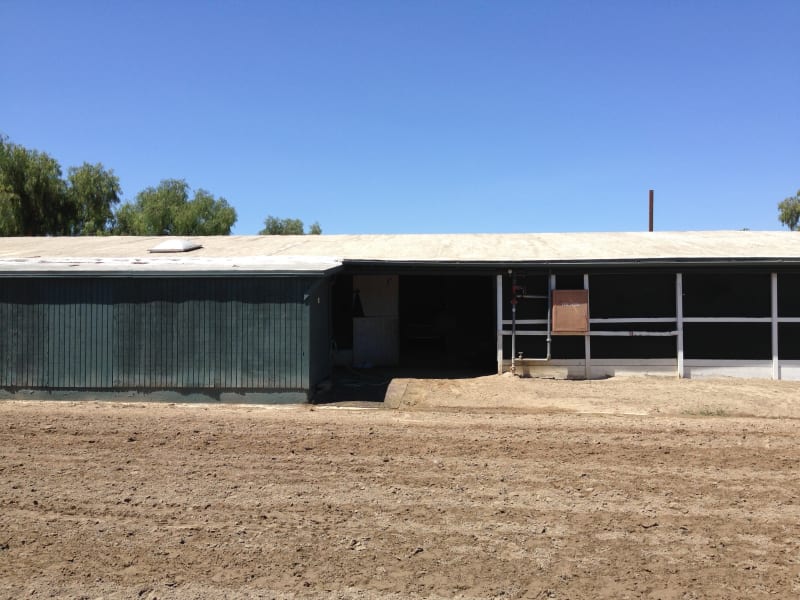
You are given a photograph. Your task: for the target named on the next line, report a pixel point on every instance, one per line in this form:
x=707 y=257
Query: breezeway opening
x=418 y=325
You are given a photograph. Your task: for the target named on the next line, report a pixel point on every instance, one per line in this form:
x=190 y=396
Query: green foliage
x=789 y=211
x=36 y=200
x=33 y=198
x=167 y=210
x=205 y=215
x=276 y=226
x=92 y=191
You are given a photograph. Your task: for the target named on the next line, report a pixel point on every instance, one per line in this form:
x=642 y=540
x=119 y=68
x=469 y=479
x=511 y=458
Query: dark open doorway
x=415 y=323
x=447 y=322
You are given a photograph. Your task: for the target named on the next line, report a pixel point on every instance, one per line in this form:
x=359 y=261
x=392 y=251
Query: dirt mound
x=621 y=395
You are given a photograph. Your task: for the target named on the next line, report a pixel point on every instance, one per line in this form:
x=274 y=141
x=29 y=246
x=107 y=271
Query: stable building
x=268 y=318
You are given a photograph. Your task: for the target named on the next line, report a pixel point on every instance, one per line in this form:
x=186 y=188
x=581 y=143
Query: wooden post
x=586 y=343
x=499 y=290
x=650 y=228
x=776 y=365
x=679 y=320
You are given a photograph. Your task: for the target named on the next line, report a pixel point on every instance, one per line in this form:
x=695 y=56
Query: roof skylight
x=175 y=245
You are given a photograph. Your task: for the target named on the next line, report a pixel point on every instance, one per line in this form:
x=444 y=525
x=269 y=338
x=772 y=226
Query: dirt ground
x=489 y=487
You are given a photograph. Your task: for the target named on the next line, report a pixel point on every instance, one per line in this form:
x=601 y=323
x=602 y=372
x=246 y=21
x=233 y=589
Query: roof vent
x=175 y=245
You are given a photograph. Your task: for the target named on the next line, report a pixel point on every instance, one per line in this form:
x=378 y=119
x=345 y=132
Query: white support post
x=586 y=339
x=552 y=287
x=499 y=290
x=776 y=365
x=679 y=321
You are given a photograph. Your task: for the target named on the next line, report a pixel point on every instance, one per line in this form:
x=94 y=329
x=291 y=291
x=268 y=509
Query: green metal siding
x=155 y=333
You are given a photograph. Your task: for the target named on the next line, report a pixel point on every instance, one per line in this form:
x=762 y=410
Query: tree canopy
x=92 y=191
x=33 y=197
x=36 y=200
x=167 y=210
x=277 y=226
x=789 y=211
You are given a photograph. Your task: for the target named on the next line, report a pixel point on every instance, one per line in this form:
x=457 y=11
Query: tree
x=276 y=226
x=167 y=210
x=92 y=191
x=205 y=215
x=789 y=211
x=36 y=200
x=33 y=199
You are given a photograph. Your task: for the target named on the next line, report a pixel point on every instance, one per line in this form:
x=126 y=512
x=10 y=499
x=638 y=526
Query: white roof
x=322 y=253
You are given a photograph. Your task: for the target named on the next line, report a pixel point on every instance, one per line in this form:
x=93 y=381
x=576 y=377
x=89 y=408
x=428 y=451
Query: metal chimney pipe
x=651 y=211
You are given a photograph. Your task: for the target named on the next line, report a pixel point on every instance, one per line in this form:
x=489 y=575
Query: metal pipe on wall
x=513 y=324
x=587 y=344
x=551 y=284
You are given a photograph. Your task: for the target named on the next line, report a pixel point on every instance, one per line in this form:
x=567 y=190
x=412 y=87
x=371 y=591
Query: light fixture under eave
x=176 y=245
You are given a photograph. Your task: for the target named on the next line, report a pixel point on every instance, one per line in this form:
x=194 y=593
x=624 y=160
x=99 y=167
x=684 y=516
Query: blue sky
x=439 y=116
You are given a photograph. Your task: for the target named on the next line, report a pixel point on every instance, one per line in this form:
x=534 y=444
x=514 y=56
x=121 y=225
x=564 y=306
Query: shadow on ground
x=370 y=386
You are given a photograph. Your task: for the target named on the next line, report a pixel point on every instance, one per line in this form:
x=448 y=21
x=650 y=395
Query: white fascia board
x=163 y=265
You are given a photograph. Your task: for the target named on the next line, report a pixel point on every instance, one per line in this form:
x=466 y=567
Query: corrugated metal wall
x=140 y=333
